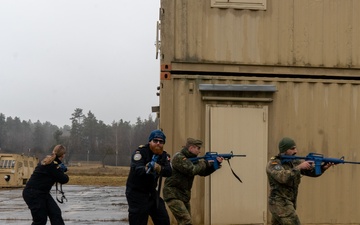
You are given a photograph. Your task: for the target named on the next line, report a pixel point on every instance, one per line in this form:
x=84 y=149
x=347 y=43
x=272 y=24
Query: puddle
x=86 y=205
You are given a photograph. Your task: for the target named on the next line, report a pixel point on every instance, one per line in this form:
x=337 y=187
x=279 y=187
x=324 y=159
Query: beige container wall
x=296 y=38
x=299 y=33
x=321 y=115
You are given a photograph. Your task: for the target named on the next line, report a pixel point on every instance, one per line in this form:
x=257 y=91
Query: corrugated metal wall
x=297 y=39
x=321 y=33
x=321 y=115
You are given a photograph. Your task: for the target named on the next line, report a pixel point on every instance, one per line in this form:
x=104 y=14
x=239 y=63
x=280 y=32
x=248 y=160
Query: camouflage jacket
x=284 y=180
x=179 y=184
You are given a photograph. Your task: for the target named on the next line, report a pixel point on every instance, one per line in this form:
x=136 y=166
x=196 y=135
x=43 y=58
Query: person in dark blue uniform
x=37 y=190
x=149 y=163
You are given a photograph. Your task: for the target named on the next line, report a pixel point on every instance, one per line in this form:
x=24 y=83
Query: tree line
x=87 y=139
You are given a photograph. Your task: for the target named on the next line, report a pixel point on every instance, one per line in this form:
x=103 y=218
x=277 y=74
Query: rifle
x=152 y=163
x=211 y=156
x=318 y=159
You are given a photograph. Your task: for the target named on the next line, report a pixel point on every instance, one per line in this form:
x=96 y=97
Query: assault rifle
x=318 y=159
x=151 y=165
x=211 y=157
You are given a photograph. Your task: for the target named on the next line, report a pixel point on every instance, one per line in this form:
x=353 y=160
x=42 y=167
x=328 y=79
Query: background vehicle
x=16 y=169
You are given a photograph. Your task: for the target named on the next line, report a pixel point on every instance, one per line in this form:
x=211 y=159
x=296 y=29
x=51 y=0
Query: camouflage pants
x=181 y=211
x=283 y=213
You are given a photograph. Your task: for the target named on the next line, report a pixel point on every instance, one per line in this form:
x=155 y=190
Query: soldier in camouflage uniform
x=177 y=188
x=284 y=180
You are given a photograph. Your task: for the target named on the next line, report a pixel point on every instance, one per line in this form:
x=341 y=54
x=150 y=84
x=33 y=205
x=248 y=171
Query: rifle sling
x=237 y=177
x=158 y=192
x=61 y=192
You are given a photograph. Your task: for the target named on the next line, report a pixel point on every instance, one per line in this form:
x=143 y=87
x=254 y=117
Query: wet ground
x=86 y=205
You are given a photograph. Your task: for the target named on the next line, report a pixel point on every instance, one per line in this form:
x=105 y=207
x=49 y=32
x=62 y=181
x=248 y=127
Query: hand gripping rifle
x=211 y=157
x=152 y=163
x=64 y=169
x=151 y=167
x=318 y=159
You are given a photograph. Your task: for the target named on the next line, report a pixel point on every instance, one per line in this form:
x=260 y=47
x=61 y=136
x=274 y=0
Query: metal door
x=243 y=130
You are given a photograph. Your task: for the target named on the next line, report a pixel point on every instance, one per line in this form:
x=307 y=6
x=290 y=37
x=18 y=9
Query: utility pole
x=116 y=145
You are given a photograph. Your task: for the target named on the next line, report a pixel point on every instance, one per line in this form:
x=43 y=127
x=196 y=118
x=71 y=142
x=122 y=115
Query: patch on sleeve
x=277 y=167
x=137 y=156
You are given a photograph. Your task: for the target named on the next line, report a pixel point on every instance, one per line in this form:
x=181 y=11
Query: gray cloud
x=60 y=55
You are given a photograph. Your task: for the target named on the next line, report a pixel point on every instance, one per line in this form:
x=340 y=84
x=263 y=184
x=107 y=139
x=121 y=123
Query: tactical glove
x=62 y=167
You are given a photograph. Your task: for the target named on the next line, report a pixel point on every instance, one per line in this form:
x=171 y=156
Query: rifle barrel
x=351 y=162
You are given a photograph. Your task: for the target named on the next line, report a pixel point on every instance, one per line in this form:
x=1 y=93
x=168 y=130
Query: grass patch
x=98 y=175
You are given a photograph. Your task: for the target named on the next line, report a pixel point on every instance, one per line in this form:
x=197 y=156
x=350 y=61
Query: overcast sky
x=98 y=55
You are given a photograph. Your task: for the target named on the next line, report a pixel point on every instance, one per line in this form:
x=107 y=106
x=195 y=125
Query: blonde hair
x=58 y=151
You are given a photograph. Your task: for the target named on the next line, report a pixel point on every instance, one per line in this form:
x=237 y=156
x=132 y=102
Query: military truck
x=16 y=169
